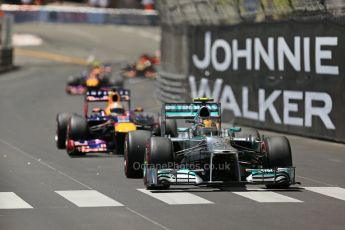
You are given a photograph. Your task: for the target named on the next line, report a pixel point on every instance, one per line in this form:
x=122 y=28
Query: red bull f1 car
x=145 y=66
x=96 y=77
x=101 y=130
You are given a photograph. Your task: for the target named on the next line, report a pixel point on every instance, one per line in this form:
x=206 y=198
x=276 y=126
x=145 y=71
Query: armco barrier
x=171 y=84
x=287 y=76
x=171 y=87
x=68 y=14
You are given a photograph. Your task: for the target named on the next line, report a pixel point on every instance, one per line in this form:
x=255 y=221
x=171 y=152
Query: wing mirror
x=233 y=130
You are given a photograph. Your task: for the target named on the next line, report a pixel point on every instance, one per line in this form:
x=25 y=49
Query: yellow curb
x=50 y=56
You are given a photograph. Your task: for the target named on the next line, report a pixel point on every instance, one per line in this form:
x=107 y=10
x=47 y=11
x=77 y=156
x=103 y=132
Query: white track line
x=267 y=197
x=43 y=163
x=88 y=198
x=176 y=198
x=148 y=219
x=317 y=181
x=334 y=192
x=9 y=200
x=64 y=174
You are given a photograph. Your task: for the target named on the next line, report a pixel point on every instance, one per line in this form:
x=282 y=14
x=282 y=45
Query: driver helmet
x=115 y=109
x=205 y=127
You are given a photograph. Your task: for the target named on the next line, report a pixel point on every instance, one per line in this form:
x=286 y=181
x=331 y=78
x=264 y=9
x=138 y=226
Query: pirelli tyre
x=278 y=151
x=74 y=80
x=171 y=127
x=120 y=143
x=159 y=155
x=134 y=152
x=61 y=129
x=156 y=130
x=77 y=129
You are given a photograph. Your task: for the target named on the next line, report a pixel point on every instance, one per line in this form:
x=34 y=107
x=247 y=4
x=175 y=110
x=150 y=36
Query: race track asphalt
x=33 y=172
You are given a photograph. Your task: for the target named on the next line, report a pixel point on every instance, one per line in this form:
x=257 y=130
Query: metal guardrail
x=171 y=87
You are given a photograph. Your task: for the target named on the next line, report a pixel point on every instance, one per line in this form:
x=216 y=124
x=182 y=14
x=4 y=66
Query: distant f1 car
x=101 y=130
x=96 y=77
x=143 y=67
x=205 y=154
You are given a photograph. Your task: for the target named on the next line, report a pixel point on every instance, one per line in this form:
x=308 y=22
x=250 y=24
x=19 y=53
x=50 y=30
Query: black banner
x=286 y=76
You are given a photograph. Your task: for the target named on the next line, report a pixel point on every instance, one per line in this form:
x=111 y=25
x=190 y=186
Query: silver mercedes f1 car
x=205 y=154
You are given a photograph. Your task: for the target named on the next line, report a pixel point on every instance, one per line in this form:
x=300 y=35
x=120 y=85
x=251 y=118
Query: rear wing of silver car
x=188 y=111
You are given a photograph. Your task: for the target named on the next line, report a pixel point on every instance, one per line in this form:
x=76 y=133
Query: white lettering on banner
x=279 y=48
x=204 y=88
x=322 y=112
x=267 y=57
x=220 y=43
x=284 y=50
x=226 y=96
x=203 y=64
x=228 y=101
x=292 y=107
x=243 y=53
x=325 y=54
x=306 y=47
x=267 y=104
x=245 y=104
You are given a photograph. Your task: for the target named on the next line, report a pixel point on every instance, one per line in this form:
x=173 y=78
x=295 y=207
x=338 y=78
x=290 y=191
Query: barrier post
x=6 y=49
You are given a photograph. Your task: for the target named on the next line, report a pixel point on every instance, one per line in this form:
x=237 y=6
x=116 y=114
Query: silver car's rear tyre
x=171 y=127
